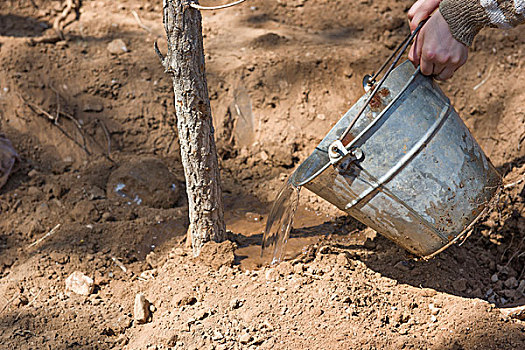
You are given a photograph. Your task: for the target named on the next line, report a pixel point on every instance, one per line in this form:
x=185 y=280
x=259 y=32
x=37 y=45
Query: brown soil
x=301 y=62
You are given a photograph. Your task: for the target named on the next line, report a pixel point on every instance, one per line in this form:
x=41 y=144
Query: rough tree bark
x=185 y=62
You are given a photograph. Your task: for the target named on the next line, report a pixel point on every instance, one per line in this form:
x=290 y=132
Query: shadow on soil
x=19 y=26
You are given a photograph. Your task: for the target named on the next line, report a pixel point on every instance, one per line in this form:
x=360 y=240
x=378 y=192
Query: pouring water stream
x=280 y=221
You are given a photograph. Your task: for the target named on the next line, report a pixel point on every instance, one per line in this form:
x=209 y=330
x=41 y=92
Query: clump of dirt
x=144 y=181
x=84 y=119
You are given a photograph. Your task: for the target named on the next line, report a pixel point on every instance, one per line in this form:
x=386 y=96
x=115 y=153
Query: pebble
x=185 y=299
x=285 y=268
x=201 y=315
x=508 y=293
x=460 y=285
x=33 y=173
x=264 y=156
x=494 y=278
x=33 y=191
x=179 y=252
x=93 y=106
x=298 y=268
x=141 y=308
x=433 y=309
x=79 y=283
x=117 y=47
x=511 y=283
x=236 y=303
x=521 y=287
x=271 y=275
x=217 y=336
x=245 y=338
x=341 y=259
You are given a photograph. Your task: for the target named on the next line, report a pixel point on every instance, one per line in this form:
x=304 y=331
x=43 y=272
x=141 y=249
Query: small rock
x=141 y=308
x=266 y=325
x=477 y=293
x=433 y=309
x=427 y=292
x=95 y=299
x=117 y=47
x=217 y=336
x=179 y=252
x=271 y=275
x=321 y=116
x=494 y=278
x=299 y=268
x=184 y=299
x=33 y=191
x=264 y=156
x=460 y=285
x=285 y=268
x=33 y=173
x=201 y=315
x=236 y=303
x=106 y=216
x=93 y=106
x=521 y=287
x=511 y=282
x=433 y=318
x=96 y=193
x=79 y=283
x=509 y=293
x=245 y=338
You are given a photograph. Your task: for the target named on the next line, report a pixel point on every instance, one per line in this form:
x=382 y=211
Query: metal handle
x=398 y=52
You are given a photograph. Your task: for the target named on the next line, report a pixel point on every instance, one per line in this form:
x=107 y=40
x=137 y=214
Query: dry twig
x=53 y=230
x=39 y=110
x=142 y=25
x=30 y=303
x=108 y=136
x=119 y=264
x=513 y=184
x=484 y=80
x=9 y=302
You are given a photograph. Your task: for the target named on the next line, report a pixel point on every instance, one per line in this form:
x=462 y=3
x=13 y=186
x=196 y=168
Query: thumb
x=421 y=11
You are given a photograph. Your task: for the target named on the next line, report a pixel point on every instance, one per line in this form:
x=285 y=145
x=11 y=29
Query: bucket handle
x=398 y=52
x=337 y=151
x=406 y=158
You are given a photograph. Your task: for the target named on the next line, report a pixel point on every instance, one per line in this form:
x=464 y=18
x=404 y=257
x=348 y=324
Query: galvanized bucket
x=408 y=167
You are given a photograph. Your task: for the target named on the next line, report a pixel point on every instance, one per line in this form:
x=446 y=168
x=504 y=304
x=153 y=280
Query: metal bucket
x=408 y=168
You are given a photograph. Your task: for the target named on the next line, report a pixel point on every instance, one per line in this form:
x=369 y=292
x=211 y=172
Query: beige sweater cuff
x=465 y=18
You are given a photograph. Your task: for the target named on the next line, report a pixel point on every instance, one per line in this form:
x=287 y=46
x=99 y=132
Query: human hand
x=421 y=10
x=435 y=50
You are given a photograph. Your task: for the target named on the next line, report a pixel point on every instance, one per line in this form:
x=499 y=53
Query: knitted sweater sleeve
x=467 y=17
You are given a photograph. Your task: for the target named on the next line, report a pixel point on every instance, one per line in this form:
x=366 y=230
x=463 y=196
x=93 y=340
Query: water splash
x=280 y=221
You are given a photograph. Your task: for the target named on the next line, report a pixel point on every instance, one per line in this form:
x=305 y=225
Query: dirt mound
x=85 y=118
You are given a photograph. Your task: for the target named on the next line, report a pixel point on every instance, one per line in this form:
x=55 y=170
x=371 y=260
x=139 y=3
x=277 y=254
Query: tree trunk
x=185 y=62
